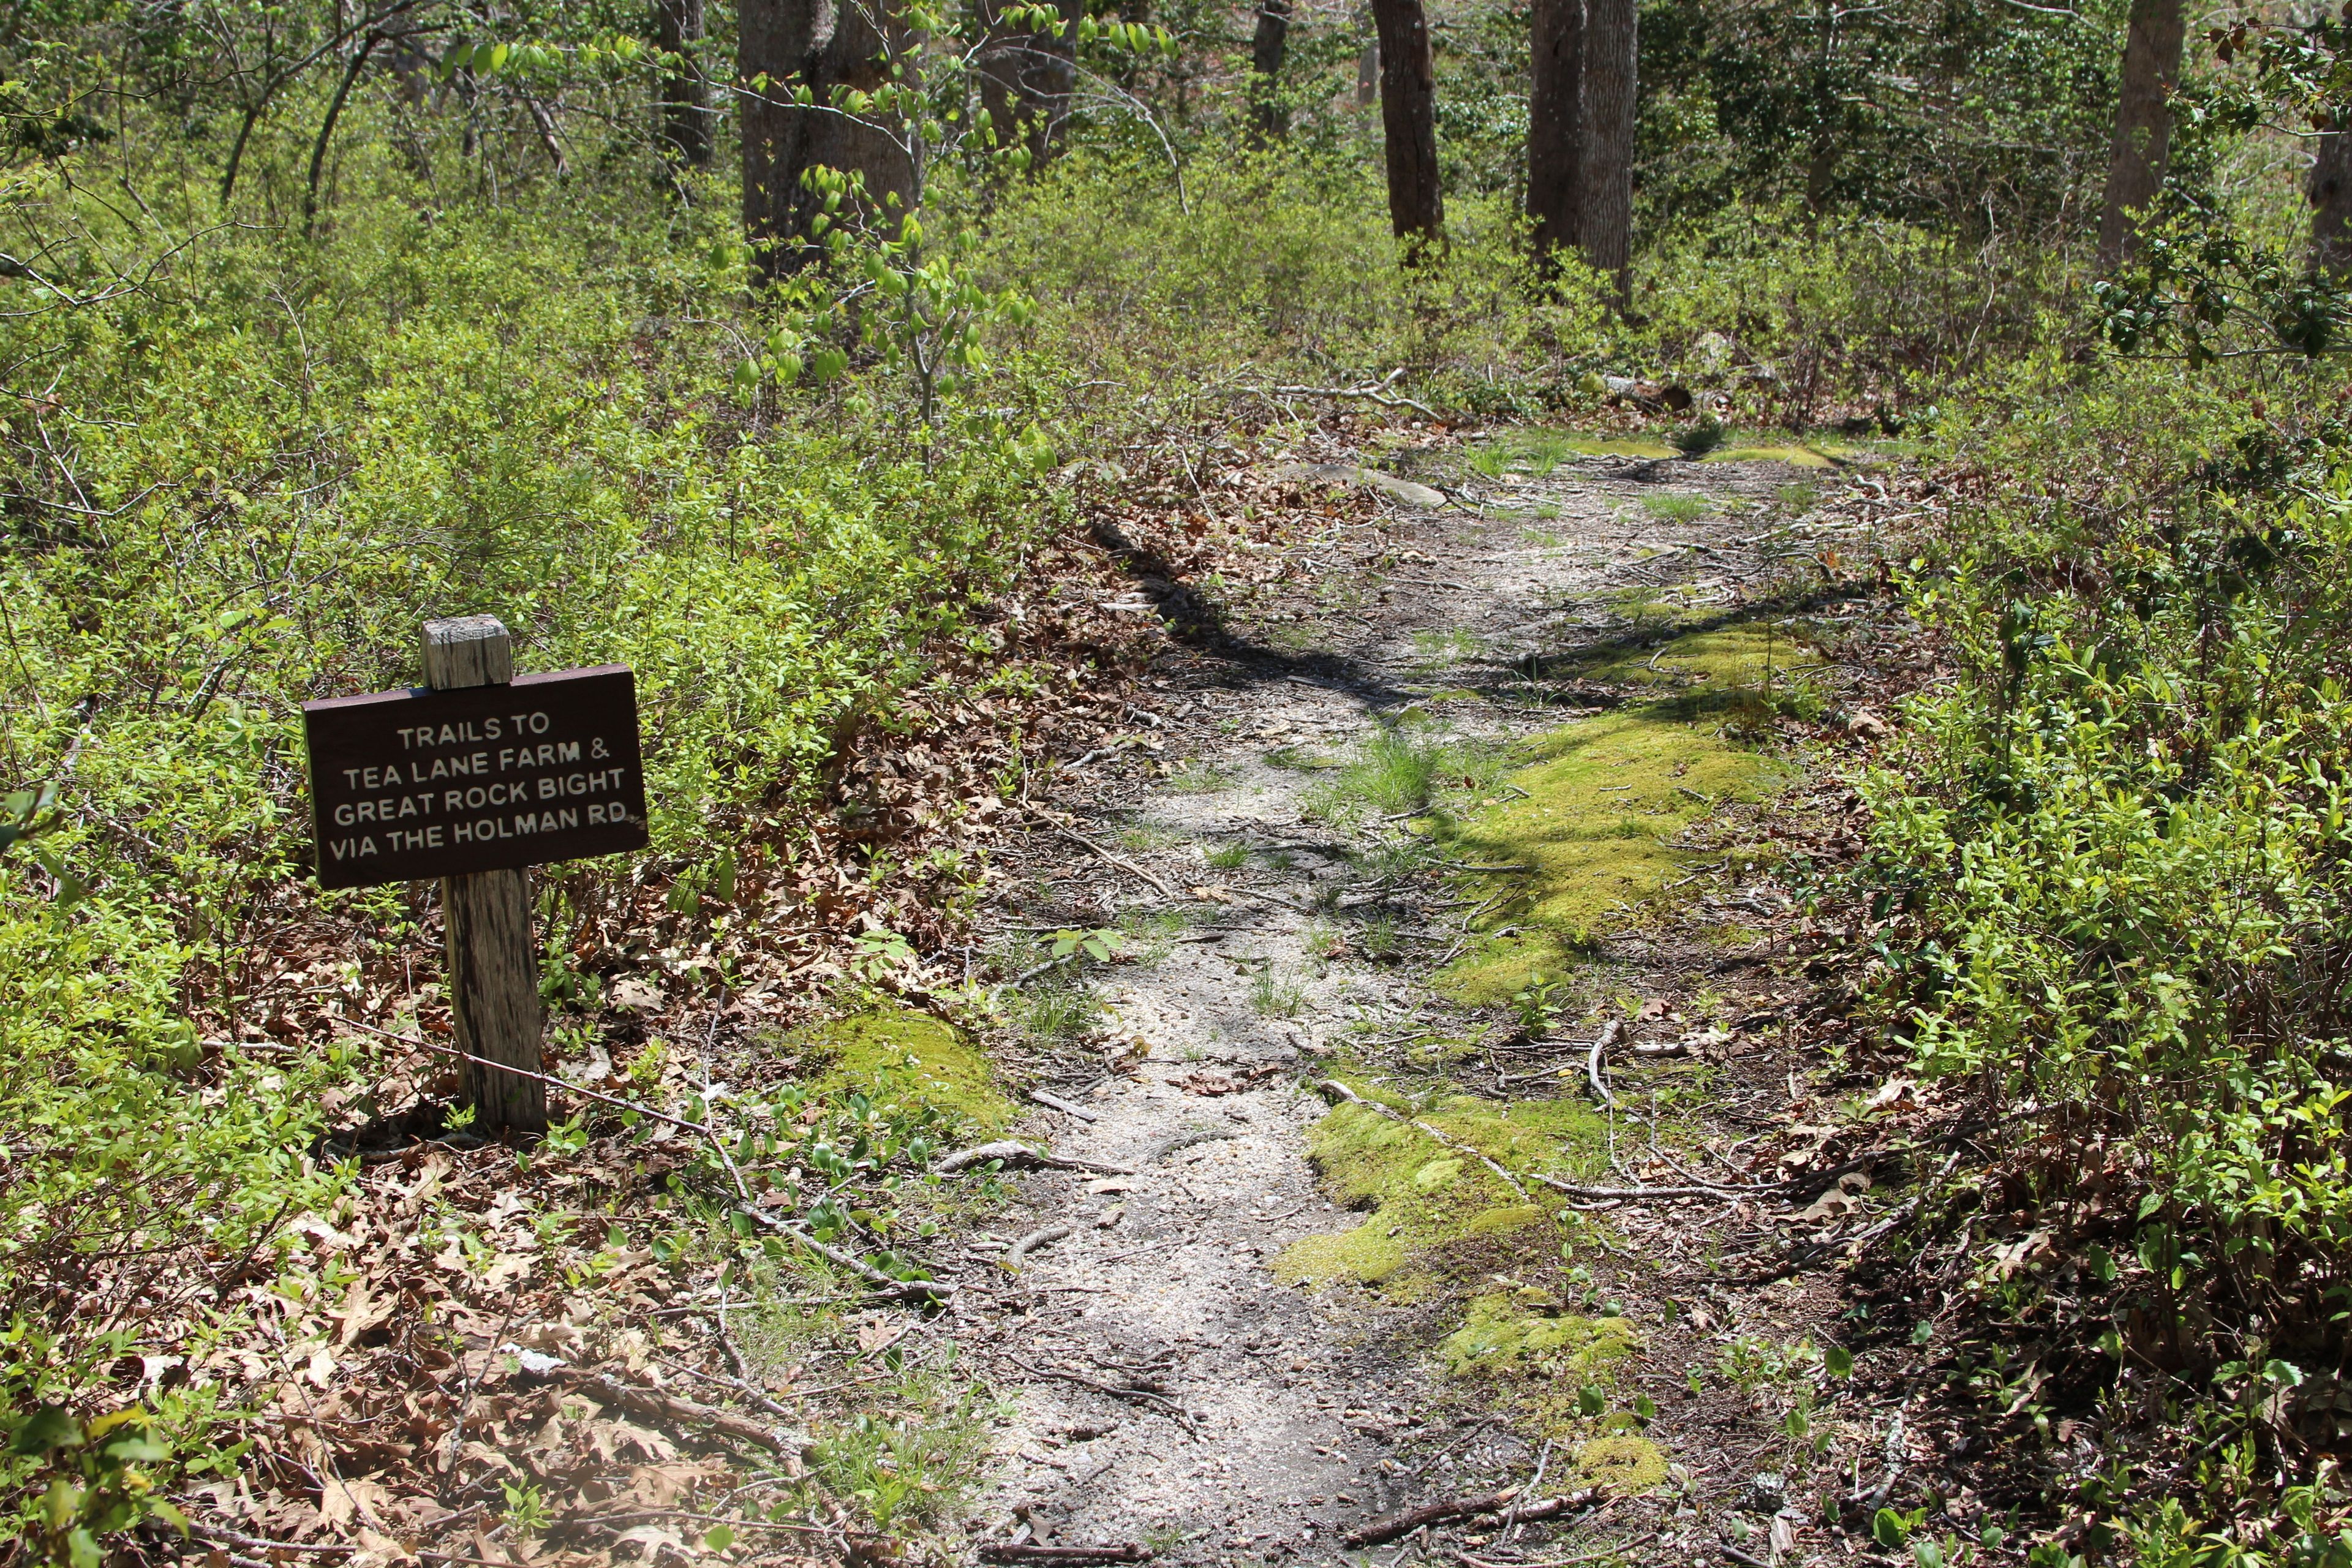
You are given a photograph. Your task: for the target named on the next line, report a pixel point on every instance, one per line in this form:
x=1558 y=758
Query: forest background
x=752 y=346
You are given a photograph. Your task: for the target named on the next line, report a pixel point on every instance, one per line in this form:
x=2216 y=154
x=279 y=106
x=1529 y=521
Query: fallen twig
x=1182 y=1416
x=735 y=1384
x=890 y=1284
x=1066 y=1108
x=239 y=1538
x=1072 y=1555
x=642 y=1514
x=1608 y=1037
x=1576 y=1190
x=661 y=1405
x=1371 y=392
x=1020 y=1249
x=1013 y=1154
x=1121 y=861
x=1390 y=1527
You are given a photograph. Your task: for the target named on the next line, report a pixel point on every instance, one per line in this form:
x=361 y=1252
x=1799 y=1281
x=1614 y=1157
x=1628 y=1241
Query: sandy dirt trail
x=1166 y=1388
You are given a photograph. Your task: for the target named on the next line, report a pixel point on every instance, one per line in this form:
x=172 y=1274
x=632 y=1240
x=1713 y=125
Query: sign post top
x=467 y=650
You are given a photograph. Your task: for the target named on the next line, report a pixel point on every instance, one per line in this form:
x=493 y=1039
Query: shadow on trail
x=1197 y=623
x=1567 y=677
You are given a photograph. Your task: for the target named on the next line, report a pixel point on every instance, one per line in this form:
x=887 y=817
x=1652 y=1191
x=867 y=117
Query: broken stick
x=1036 y=1238
x=1013 y=1154
x=1608 y=1037
x=1390 y=1527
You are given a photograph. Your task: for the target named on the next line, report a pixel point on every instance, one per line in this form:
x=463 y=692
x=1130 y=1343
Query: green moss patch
x=1726 y=661
x=1424 y=1196
x=1523 y=1334
x=1624 y=448
x=1803 y=457
x=1623 y=1463
x=906 y=1054
x=1603 y=800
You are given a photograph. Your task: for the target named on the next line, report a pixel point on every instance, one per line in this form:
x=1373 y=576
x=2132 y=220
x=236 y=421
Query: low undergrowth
x=2108 y=880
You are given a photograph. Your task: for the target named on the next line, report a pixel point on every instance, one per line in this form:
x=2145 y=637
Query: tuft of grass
x=1275 y=995
x=1436 y=649
x=1142 y=838
x=1229 y=857
x=1678 y=507
x=1057 y=1006
x=1151 y=933
x=912 y=1467
x=1533 y=452
x=1324 y=942
x=1398 y=769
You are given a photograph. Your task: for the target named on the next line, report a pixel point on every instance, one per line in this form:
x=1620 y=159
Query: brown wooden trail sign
x=409 y=784
x=470 y=779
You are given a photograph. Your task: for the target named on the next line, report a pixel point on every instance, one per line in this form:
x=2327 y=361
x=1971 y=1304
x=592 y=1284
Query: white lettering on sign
x=544 y=769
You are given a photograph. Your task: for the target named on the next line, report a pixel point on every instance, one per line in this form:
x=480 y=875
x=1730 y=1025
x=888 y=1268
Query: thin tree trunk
x=1605 y=219
x=1026 y=80
x=2143 y=123
x=2331 y=205
x=1409 y=121
x=822 y=46
x=1267 y=46
x=1367 y=74
x=683 y=110
x=327 y=131
x=1828 y=116
x=1556 y=126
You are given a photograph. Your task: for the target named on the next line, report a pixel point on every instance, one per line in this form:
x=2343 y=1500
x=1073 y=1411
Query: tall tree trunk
x=1409 y=121
x=1605 y=219
x=684 y=109
x=1267 y=46
x=2143 y=123
x=822 y=46
x=1556 y=126
x=2331 y=205
x=1367 y=74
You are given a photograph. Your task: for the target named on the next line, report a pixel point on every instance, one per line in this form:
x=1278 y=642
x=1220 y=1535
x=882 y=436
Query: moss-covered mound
x=1523 y=1333
x=1603 y=802
x=1423 y=1195
x=909 y=1056
x=1623 y=1462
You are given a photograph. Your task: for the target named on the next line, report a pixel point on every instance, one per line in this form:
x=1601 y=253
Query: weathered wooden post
x=485 y=915
x=471 y=779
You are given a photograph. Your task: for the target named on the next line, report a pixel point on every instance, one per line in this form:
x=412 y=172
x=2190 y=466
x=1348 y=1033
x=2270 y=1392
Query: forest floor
x=1470 y=1102
x=1198 y=1358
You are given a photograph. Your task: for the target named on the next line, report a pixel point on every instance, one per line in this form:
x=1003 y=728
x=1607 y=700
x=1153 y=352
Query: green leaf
x=48 y=1427
x=719 y=1538
x=1891 y=1529
x=1838 y=1362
